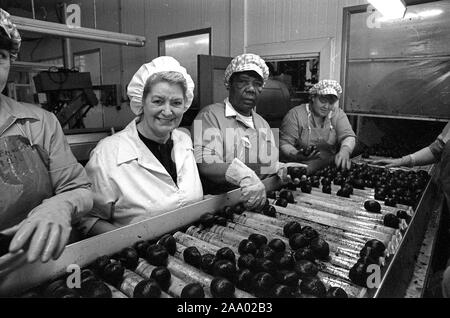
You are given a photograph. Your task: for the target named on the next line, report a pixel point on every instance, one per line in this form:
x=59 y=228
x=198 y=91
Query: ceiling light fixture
x=59 y=29
x=390 y=9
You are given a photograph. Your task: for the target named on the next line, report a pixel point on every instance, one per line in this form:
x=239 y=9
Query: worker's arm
x=289 y=133
x=346 y=137
x=342 y=158
x=105 y=192
x=46 y=230
x=424 y=156
x=215 y=172
x=99 y=227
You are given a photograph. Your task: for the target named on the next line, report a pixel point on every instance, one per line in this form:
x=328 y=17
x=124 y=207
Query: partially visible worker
x=437 y=151
x=234 y=146
x=43 y=189
x=148 y=168
x=430 y=154
x=321 y=124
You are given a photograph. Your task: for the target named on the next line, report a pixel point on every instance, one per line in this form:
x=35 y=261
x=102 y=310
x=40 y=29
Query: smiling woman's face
x=163 y=110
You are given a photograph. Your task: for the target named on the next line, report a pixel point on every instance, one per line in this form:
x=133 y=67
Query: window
x=89 y=61
x=298 y=74
x=397 y=67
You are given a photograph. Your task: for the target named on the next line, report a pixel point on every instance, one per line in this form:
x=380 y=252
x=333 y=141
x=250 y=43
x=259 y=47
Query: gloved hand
x=253 y=190
x=342 y=159
x=45 y=231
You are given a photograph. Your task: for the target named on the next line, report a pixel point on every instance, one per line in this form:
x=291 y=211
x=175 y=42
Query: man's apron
x=24 y=177
x=323 y=138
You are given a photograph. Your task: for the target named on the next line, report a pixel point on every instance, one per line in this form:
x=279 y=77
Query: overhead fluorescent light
x=430 y=13
x=390 y=9
x=59 y=29
x=413 y=16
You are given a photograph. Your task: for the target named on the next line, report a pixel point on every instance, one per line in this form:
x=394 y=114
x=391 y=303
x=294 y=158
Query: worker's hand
x=44 y=233
x=397 y=162
x=253 y=190
x=388 y=163
x=342 y=159
x=300 y=157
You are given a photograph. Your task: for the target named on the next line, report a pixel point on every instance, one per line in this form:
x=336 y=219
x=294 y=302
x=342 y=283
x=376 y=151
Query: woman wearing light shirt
x=149 y=167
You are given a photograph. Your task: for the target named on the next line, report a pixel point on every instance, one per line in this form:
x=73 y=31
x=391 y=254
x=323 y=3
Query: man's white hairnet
x=159 y=64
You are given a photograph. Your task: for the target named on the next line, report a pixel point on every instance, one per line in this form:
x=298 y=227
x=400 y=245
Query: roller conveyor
x=330 y=215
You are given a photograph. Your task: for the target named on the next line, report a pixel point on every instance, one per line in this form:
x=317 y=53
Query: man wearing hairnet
x=233 y=145
x=43 y=189
x=148 y=168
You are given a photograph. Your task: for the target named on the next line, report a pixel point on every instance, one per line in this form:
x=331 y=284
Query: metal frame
x=348 y=11
x=21 y=65
x=319 y=47
x=400 y=269
x=397 y=117
x=59 y=29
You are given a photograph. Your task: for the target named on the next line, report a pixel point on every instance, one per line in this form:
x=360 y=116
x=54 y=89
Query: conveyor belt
x=330 y=215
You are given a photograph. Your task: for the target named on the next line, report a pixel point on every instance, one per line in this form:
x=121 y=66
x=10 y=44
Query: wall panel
x=277 y=21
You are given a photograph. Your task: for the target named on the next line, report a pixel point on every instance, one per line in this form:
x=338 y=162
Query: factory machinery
x=316 y=236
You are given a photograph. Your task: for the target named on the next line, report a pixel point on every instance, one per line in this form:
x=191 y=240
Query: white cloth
x=230 y=112
x=160 y=64
x=133 y=185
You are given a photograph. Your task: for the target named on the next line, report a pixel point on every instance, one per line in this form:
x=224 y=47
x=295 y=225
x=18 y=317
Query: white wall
x=297 y=26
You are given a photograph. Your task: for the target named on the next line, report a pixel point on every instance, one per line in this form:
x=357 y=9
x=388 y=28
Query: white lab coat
x=132 y=185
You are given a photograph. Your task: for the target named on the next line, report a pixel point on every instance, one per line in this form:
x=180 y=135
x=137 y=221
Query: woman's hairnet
x=159 y=64
x=326 y=87
x=11 y=32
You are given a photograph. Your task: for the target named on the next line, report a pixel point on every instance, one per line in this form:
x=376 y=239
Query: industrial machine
x=68 y=94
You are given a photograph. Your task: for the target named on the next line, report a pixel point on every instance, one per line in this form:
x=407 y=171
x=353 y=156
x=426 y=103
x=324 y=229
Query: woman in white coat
x=148 y=168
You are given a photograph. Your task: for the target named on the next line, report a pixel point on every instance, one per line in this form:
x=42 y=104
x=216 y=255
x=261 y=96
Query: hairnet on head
x=159 y=64
x=326 y=87
x=247 y=62
x=12 y=32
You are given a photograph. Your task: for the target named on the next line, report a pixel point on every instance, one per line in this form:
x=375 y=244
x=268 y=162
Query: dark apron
x=323 y=138
x=24 y=177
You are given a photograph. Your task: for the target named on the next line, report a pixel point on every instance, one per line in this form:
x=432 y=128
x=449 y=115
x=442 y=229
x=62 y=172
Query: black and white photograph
x=225 y=154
